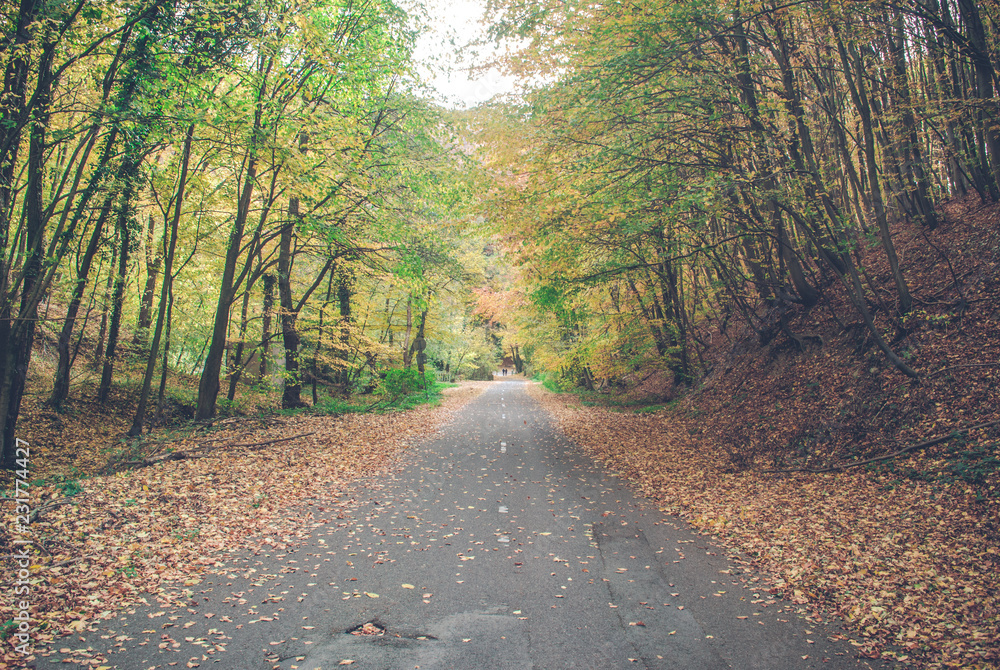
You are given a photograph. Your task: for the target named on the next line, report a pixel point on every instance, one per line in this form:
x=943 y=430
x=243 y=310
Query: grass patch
x=377 y=403
x=549 y=382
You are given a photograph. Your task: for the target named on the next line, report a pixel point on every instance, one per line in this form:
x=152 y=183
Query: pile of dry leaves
x=129 y=534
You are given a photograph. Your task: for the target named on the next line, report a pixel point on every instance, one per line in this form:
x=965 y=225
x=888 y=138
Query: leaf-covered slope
x=906 y=549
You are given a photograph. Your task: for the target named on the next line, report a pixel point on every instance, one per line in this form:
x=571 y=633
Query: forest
x=264 y=195
x=788 y=212
x=244 y=194
x=699 y=165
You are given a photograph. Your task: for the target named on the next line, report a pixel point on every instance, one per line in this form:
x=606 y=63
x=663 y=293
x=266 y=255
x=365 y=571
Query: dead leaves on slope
x=910 y=567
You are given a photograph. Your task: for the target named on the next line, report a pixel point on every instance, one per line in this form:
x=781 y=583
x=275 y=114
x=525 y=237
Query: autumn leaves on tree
x=692 y=163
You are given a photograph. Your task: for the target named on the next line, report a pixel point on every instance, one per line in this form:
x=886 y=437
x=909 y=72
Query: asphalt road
x=493 y=545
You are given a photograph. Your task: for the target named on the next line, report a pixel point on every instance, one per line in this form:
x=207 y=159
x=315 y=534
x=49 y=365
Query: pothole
x=368 y=629
x=376 y=628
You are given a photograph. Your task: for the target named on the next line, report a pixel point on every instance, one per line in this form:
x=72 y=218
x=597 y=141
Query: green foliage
x=430 y=396
x=67 y=485
x=403 y=381
x=549 y=381
x=7 y=628
x=130 y=570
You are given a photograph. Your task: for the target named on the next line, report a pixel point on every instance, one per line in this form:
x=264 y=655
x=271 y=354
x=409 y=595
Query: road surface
x=494 y=544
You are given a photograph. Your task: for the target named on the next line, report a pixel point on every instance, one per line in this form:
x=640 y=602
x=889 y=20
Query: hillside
x=905 y=549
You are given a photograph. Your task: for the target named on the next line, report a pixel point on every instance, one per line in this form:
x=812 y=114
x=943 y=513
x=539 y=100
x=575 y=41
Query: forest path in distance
x=492 y=544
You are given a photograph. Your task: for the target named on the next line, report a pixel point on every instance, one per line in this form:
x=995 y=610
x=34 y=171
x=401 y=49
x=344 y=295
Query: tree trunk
x=344 y=301
x=291 y=396
x=165 y=365
x=118 y=297
x=417 y=348
x=15 y=86
x=105 y=309
x=913 y=161
x=654 y=329
x=60 y=388
x=168 y=258
x=208 y=385
x=18 y=335
x=855 y=77
x=988 y=121
x=153 y=262
x=265 y=327
x=515 y=353
x=407 y=352
x=236 y=362
x=319 y=339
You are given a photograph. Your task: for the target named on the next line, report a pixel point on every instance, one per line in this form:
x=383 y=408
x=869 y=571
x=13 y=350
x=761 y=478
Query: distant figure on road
x=505 y=372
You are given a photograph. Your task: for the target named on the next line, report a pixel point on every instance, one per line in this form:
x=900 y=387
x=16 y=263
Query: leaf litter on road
x=149 y=533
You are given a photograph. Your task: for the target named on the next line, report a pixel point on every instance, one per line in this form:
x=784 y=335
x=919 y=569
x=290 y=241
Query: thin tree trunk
x=118 y=297
x=153 y=262
x=859 y=96
x=208 y=386
x=267 y=314
x=165 y=365
x=236 y=362
x=913 y=161
x=407 y=353
x=105 y=308
x=291 y=396
x=344 y=300
x=319 y=339
x=988 y=122
x=168 y=258
x=60 y=388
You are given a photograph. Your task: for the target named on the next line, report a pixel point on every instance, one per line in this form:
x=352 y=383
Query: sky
x=455 y=23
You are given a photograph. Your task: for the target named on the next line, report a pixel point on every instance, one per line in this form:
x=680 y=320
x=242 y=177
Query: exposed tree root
x=205 y=451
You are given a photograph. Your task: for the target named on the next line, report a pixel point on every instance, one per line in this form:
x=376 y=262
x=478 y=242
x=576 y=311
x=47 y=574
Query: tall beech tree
x=50 y=43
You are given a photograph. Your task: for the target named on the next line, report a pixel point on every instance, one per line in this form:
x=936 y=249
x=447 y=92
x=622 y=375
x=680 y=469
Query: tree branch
x=913 y=447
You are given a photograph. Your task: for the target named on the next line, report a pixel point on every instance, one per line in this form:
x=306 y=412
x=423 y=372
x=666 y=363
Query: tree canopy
x=262 y=195
x=687 y=165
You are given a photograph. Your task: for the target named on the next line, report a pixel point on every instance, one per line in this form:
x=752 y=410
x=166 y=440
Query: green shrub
x=404 y=381
x=550 y=382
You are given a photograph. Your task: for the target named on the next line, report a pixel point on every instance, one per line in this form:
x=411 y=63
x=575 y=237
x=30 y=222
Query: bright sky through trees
x=445 y=58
